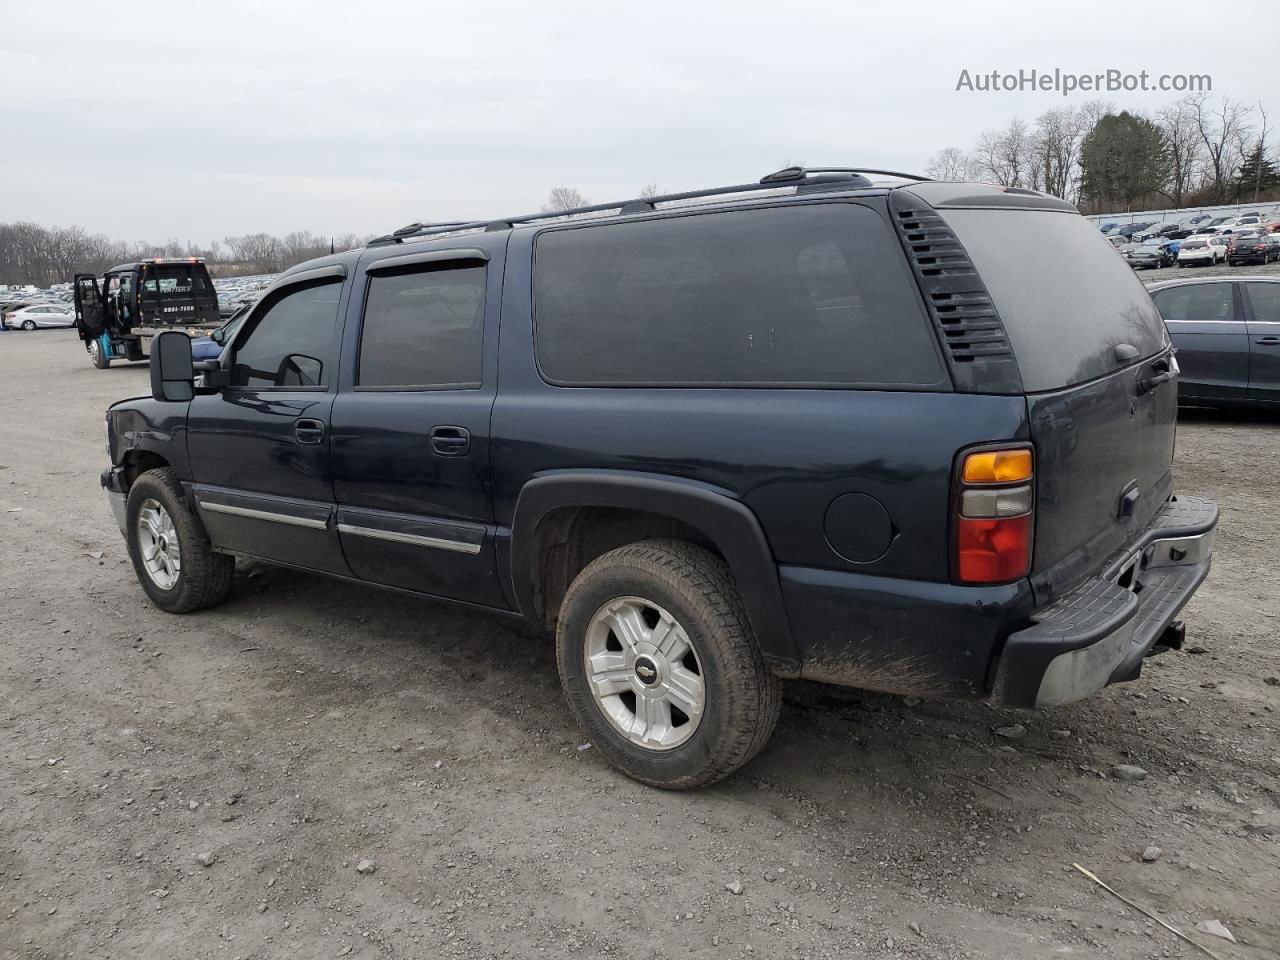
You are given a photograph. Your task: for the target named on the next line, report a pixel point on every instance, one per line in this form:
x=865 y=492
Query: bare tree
x=1186 y=146
x=1261 y=149
x=1004 y=155
x=563 y=198
x=951 y=163
x=649 y=191
x=1222 y=132
x=1055 y=148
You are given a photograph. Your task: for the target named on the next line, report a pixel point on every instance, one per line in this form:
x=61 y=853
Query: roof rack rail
x=789 y=174
x=787 y=177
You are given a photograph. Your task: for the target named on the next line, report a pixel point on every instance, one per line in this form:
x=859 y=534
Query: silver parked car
x=41 y=315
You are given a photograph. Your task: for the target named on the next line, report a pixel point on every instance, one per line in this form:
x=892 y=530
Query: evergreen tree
x=1123 y=158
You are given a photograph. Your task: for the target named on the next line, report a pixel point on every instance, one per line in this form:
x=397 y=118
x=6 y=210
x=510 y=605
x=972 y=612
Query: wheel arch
x=553 y=511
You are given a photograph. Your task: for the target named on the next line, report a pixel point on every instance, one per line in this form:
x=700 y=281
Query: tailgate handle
x=1168 y=370
x=1128 y=501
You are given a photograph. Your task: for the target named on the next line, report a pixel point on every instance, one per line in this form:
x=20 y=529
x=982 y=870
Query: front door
x=89 y=311
x=1207 y=326
x=1264 y=339
x=259 y=447
x=411 y=424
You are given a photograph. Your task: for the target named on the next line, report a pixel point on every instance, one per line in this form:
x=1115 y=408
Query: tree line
x=1196 y=151
x=43 y=256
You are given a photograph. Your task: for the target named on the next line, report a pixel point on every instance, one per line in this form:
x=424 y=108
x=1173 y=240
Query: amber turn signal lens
x=997 y=466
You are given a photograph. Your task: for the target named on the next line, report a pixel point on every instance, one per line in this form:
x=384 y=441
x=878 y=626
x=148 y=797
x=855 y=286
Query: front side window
x=423 y=328
x=799 y=295
x=293 y=344
x=1196 y=302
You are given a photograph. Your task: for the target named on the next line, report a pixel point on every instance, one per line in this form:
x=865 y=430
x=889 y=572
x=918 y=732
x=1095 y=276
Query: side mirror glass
x=172 y=373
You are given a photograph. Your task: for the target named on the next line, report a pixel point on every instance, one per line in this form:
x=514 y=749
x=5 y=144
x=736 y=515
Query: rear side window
x=293 y=344
x=423 y=329
x=1195 y=302
x=1265 y=300
x=802 y=295
x=1066 y=297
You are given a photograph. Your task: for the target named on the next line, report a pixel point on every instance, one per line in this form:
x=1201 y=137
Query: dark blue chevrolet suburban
x=810 y=427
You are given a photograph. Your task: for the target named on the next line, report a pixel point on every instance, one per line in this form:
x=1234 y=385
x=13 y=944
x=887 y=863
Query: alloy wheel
x=158 y=544
x=644 y=673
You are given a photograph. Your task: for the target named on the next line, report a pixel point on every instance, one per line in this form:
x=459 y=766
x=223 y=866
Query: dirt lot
x=307 y=725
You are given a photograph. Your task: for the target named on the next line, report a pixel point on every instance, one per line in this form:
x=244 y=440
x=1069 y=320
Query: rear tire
x=682 y=639
x=28 y=324
x=97 y=355
x=174 y=562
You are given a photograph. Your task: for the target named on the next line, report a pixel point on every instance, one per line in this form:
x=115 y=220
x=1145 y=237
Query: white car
x=1201 y=250
x=41 y=315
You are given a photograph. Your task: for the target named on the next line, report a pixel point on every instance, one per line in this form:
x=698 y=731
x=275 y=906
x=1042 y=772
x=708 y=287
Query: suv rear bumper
x=1100 y=633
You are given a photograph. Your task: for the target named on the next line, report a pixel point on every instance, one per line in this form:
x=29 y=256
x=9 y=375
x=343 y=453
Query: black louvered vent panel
x=958 y=300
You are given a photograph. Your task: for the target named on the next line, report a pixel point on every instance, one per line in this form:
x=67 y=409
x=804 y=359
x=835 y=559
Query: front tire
x=174 y=562
x=97 y=354
x=660 y=666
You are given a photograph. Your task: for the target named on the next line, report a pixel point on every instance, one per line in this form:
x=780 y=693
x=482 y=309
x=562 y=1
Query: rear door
x=89 y=309
x=1262 y=300
x=1207 y=326
x=411 y=424
x=1096 y=367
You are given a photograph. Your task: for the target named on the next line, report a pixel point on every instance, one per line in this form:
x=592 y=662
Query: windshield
x=1066 y=313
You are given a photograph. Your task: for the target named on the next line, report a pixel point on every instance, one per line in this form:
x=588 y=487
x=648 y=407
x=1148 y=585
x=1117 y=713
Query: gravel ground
x=317 y=769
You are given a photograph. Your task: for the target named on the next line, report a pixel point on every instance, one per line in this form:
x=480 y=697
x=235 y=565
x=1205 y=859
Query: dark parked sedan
x=1250 y=248
x=1227 y=331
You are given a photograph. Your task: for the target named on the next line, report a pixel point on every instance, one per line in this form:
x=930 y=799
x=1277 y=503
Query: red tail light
x=994 y=516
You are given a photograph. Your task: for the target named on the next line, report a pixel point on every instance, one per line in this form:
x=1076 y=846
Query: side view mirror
x=172 y=373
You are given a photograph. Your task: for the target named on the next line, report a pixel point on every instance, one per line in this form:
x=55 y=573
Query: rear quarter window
x=1066 y=297
x=803 y=295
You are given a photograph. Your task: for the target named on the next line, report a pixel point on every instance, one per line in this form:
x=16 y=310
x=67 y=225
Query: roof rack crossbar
x=790 y=176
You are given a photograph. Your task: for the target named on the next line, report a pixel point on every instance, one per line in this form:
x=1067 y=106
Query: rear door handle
x=1268 y=341
x=450 y=441
x=308 y=431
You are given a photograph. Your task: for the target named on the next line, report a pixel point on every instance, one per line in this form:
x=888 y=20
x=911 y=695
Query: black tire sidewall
x=665 y=767
x=28 y=324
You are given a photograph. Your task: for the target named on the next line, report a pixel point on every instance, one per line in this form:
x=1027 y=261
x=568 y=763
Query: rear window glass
x=800 y=295
x=1194 y=245
x=1066 y=297
x=1195 y=302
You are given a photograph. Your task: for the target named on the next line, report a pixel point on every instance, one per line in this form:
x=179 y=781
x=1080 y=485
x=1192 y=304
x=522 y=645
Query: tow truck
x=118 y=317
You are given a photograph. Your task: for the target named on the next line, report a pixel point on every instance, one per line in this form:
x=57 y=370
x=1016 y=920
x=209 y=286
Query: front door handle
x=1268 y=341
x=451 y=441
x=308 y=431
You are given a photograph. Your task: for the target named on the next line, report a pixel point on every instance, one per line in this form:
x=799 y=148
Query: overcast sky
x=196 y=121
